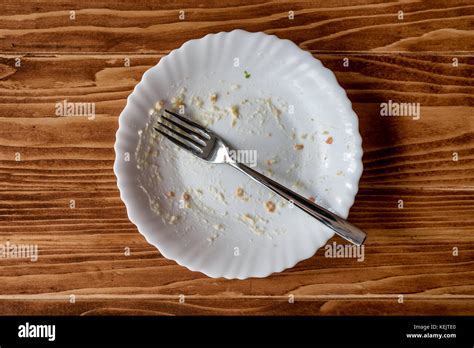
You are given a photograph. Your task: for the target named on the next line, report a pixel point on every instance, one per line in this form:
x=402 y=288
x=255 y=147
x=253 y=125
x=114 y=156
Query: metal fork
x=208 y=146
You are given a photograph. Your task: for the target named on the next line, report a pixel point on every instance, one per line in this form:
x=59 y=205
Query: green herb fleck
x=246 y=74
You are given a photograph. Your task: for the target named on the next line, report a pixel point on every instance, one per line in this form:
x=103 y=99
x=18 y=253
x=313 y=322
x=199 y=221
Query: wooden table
x=58 y=189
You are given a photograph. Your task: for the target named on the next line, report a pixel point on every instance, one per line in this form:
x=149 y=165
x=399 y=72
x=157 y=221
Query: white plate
x=210 y=233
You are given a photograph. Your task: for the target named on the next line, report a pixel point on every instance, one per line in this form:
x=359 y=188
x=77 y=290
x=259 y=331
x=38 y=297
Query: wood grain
x=104 y=26
x=81 y=250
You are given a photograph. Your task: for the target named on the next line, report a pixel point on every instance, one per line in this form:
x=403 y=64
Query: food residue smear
x=209 y=109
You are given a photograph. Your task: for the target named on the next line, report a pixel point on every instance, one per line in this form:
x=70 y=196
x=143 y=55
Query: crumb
x=273 y=109
x=299 y=146
x=270 y=206
x=211 y=239
x=197 y=102
x=186 y=197
x=213 y=97
x=258 y=231
x=234 y=87
x=312 y=199
x=270 y=162
x=173 y=219
x=339 y=172
x=216 y=235
x=159 y=105
x=239 y=192
x=234 y=110
x=177 y=101
x=329 y=140
x=248 y=218
x=169 y=194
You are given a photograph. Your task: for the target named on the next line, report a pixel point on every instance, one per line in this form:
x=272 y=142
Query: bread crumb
x=216 y=235
x=239 y=192
x=234 y=111
x=213 y=97
x=197 y=102
x=329 y=140
x=159 y=105
x=169 y=194
x=299 y=146
x=312 y=199
x=270 y=206
x=248 y=218
x=273 y=109
x=186 y=197
x=177 y=101
x=270 y=162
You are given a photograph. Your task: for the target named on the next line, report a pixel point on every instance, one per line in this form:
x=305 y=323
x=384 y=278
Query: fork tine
x=186 y=129
x=184 y=136
x=189 y=122
x=177 y=142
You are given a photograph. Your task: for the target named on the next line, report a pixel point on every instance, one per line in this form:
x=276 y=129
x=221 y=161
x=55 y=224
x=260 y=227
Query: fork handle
x=341 y=226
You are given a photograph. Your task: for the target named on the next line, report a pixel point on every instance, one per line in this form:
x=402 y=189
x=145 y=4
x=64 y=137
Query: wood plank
x=244 y=306
x=104 y=26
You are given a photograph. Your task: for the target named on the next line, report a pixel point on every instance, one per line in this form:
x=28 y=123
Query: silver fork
x=208 y=146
